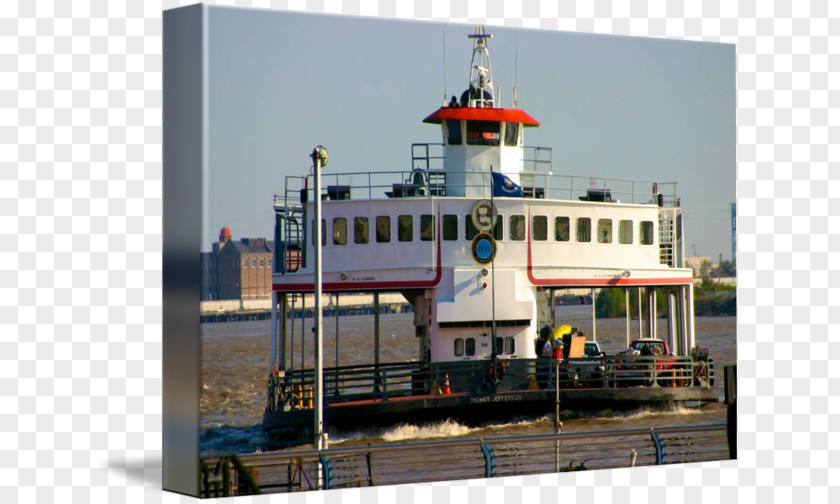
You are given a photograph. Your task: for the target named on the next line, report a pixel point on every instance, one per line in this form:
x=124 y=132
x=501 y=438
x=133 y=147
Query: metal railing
x=370 y=382
x=418 y=462
x=420 y=183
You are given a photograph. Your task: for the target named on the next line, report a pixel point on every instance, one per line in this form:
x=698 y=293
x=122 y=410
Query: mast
x=481 y=73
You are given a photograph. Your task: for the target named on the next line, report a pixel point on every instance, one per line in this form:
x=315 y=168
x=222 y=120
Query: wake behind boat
x=477 y=237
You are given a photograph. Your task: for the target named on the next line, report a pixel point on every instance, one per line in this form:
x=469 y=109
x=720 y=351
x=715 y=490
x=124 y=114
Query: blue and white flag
x=505 y=187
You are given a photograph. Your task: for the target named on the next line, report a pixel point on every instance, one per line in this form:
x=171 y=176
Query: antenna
x=443 y=35
x=515 y=69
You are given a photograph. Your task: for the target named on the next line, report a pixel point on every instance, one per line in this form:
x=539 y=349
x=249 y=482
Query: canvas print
x=445 y=251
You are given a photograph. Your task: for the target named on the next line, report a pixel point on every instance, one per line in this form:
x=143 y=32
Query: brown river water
x=235 y=366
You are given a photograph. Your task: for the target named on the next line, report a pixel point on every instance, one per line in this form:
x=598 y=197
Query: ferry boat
x=478 y=236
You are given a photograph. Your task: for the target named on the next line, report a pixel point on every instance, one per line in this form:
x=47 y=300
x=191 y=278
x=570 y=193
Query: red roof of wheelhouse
x=482 y=114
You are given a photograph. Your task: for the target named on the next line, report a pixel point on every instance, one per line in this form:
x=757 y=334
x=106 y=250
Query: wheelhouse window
x=517 y=227
x=539 y=227
x=646 y=232
x=405 y=228
x=361 y=230
x=470 y=350
x=498 y=229
x=339 y=231
x=483 y=133
x=427 y=227
x=510 y=345
x=584 y=229
x=625 y=232
x=453 y=132
x=450 y=227
x=604 y=230
x=561 y=229
x=511 y=134
x=459 y=347
x=383 y=229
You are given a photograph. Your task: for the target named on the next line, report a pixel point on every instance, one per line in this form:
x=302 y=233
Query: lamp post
x=319 y=157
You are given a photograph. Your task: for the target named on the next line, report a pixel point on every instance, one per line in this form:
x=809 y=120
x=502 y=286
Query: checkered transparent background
x=80 y=254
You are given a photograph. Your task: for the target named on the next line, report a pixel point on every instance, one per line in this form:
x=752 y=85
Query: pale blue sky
x=620 y=107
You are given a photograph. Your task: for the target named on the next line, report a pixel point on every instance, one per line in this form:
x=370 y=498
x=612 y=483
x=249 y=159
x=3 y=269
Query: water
x=235 y=367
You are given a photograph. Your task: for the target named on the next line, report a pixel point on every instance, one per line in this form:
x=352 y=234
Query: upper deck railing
x=427 y=178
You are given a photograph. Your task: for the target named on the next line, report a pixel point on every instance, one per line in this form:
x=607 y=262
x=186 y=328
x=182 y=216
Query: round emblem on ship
x=484 y=215
x=483 y=248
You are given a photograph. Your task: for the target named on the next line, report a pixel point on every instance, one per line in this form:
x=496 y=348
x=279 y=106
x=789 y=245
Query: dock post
x=730 y=374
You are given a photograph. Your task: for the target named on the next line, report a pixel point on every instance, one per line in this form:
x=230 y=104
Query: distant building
x=695 y=262
x=237 y=269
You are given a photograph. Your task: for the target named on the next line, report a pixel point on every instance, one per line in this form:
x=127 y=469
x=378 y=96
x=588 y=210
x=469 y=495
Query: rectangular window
x=584 y=229
x=405 y=228
x=517 y=227
x=427 y=227
x=470 y=350
x=361 y=230
x=561 y=229
x=483 y=133
x=604 y=230
x=539 y=227
x=245 y=263
x=646 y=232
x=450 y=227
x=383 y=229
x=323 y=232
x=262 y=263
x=453 y=132
x=498 y=228
x=511 y=134
x=625 y=231
x=469 y=229
x=339 y=231
x=459 y=347
x=510 y=346
x=500 y=346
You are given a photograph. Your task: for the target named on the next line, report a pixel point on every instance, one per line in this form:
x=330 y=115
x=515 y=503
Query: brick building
x=237 y=269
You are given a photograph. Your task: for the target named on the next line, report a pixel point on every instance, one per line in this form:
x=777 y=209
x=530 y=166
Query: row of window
x=504 y=346
x=253 y=264
x=563 y=231
x=481 y=133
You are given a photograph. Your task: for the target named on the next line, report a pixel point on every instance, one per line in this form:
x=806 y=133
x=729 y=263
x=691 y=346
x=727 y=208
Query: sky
x=609 y=106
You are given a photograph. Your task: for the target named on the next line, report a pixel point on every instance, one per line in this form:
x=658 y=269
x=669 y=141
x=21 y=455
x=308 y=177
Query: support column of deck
x=652 y=312
x=292 y=339
x=627 y=315
x=640 y=312
x=683 y=321
x=594 y=326
x=376 y=343
x=690 y=291
x=273 y=332
x=672 y=320
x=302 y=330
